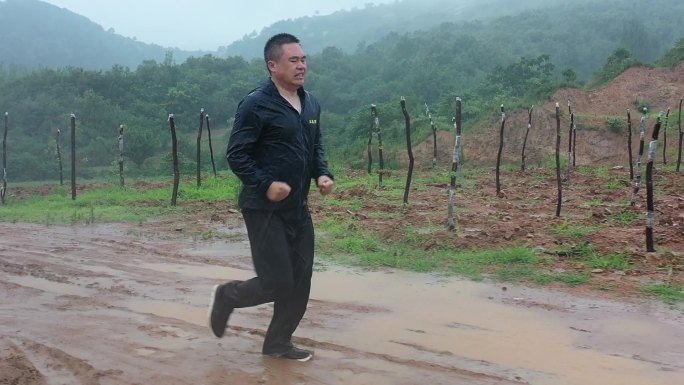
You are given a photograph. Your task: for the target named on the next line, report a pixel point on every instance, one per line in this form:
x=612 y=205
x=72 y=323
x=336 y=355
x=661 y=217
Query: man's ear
x=271 y=65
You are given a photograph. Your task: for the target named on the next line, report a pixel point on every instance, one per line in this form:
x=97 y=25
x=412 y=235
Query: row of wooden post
x=120 y=144
x=203 y=118
x=572 y=157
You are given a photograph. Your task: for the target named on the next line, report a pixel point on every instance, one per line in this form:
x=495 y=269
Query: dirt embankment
x=659 y=88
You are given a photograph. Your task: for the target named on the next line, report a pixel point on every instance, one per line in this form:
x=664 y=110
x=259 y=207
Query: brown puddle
x=109 y=308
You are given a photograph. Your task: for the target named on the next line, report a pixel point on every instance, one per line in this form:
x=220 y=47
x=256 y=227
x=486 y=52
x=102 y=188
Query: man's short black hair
x=273 y=48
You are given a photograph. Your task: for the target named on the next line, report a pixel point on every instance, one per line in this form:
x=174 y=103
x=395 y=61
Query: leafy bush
x=615 y=124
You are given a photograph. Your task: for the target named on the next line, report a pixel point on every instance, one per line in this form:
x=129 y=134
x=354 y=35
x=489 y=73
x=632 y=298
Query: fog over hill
x=37 y=34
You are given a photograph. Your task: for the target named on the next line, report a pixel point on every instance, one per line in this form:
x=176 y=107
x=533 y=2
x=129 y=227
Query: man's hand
x=325 y=184
x=278 y=191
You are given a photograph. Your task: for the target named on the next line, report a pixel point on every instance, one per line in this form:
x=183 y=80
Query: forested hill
x=577 y=34
x=516 y=60
x=358 y=27
x=36 y=34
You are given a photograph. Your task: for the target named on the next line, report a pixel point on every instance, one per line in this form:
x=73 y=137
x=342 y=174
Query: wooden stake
x=371 y=130
x=527 y=132
x=59 y=157
x=376 y=121
x=199 y=147
x=455 y=164
x=120 y=140
x=407 y=120
x=3 y=188
x=629 y=145
x=572 y=124
x=73 y=157
x=558 y=166
x=211 y=149
x=637 y=174
x=667 y=123
x=681 y=136
x=174 y=153
x=498 y=157
x=434 y=136
x=650 y=207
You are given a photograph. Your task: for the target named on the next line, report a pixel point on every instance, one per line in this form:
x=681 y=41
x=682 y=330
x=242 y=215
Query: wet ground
x=106 y=305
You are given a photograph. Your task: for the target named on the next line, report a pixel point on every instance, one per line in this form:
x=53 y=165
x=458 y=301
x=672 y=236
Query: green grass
x=343 y=240
x=667 y=293
x=585 y=253
x=568 y=229
x=570 y=279
x=614 y=261
x=601 y=171
x=112 y=203
x=627 y=216
x=614 y=184
x=593 y=203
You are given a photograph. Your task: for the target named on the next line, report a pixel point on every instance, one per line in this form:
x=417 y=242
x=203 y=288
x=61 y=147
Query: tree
x=674 y=56
x=619 y=61
x=526 y=77
x=569 y=76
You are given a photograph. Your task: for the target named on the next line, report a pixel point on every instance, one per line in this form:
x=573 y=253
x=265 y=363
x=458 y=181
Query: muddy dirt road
x=106 y=305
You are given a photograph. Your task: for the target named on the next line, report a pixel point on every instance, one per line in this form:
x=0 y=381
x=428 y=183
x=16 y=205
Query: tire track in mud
x=16 y=368
x=46 y=362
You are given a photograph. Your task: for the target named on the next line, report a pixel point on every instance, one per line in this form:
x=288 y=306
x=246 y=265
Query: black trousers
x=282 y=243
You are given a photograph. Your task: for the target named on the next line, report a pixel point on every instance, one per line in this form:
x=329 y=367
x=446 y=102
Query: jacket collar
x=273 y=90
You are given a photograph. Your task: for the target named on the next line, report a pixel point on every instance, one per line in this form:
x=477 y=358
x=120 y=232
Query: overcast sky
x=213 y=23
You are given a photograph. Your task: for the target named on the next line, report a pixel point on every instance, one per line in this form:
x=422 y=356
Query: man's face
x=290 y=69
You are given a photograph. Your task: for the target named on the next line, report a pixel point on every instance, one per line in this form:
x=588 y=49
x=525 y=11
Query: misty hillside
x=348 y=30
x=577 y=34
x=519 y=59
x=37 y=34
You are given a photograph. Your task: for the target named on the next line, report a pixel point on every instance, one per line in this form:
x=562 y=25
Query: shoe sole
x=282 y=357
x=307 y=358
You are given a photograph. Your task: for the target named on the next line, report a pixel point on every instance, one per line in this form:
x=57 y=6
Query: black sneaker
x=219 y=312
x=293 y=354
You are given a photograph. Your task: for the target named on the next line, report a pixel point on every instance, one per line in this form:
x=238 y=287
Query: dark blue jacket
x=271 y=142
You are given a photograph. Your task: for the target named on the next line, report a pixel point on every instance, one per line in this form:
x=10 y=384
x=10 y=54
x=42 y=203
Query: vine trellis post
x=369 y=146
x=73 y=157
x=681 y=136
x=527 y=132
x=571 y=160
x=59 y=157
x=378 y=131
x=637 y=173
x=650 y=206
x=629 y=145
x=499 y=154
x=664 y=128
x=120 y=141
x=211 y=149
x=558 y=166
x=199 y=146
x=455 y=165
x=434 y=136
x=409 y=175
x=3 y=187
x=174 y=154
